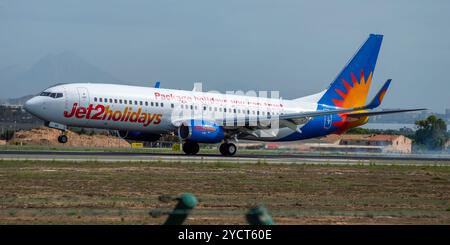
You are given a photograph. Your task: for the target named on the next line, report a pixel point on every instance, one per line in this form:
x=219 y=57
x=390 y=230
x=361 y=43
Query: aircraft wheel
x=222 y=149
x=228 y=149
x=63 y=139
x=195 y=148
x=191 y=148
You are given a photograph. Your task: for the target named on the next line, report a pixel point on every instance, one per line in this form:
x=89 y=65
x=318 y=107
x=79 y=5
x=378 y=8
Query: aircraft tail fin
x=351 y=86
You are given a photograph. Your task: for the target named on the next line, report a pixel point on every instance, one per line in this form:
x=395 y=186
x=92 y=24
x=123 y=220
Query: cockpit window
x=53 y=95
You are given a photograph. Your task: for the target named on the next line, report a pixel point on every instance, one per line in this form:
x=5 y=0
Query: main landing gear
x=228 y=149
x=191 y=148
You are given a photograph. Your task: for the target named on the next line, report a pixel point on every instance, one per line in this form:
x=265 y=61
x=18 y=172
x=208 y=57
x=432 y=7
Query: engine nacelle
x=138 y=136
x=201 y=131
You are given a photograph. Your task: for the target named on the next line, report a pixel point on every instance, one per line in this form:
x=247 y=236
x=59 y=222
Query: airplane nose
x=32 y=105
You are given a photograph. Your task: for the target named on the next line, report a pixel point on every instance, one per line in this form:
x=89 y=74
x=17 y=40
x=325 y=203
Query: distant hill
x=64 y=67
x=17 y=101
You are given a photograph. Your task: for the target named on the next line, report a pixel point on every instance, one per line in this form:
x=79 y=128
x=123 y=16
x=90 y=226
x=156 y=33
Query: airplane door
x=83 y=99
x=70 y=97
x=83 y=96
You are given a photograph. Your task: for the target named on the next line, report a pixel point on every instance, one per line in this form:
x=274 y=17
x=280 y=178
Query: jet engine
x=201 y=131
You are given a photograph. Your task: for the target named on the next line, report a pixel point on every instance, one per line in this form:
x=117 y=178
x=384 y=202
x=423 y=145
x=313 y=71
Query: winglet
x=157 y=84
x=376 y=101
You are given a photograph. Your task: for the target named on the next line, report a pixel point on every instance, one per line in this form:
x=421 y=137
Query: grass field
x=39 y=192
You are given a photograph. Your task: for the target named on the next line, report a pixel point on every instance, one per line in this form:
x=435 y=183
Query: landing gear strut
x=191 y=148
x=63 y=139
x=228 y=149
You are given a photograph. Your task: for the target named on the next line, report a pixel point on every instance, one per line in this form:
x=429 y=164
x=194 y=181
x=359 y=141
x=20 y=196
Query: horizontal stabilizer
x=376 y=101
x=374 y=113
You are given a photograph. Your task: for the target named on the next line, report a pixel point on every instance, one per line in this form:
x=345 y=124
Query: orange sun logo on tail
x=356 y=93
x=354 y=96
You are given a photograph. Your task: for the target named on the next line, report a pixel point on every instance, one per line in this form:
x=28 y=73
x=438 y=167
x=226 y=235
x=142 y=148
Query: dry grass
x=124 y=192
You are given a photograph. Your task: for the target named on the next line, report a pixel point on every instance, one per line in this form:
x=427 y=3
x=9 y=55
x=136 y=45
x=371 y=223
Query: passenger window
x=95 y=99
x=130 y=102
x=204 y=108
x=106 y=100
x=156 y=104
x=146 y=103
x=110 y=101
x=172 y=105
x=151 y=103
x=140 y=102
x=125 y=102
x=120 y=101
x=115 y=101
x=234 y=110
x=162 y=105
x=101 y=100
x=192 y=107
x=135 y=102
x=224 y=109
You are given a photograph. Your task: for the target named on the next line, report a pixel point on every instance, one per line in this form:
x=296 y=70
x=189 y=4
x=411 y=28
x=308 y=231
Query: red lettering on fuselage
x=81 y=112
x=100 y=109
x=100 y=112
x=72 y=112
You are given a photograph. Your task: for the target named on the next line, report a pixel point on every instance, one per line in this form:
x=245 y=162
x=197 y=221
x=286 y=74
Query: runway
x=41 y=155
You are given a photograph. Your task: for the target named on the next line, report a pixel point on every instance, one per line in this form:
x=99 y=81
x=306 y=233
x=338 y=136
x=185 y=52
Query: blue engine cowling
x=201 y=131
x=138 y=136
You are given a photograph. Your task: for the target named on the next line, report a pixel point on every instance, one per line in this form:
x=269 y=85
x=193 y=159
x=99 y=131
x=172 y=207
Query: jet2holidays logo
x=101 y=112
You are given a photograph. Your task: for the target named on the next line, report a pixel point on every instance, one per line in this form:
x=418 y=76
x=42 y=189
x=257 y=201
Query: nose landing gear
x=228 y=149
x=63 y=128
x=63 y=139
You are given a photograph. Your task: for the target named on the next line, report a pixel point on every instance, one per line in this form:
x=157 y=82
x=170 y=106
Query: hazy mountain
x=17 y=101
x=52 y=69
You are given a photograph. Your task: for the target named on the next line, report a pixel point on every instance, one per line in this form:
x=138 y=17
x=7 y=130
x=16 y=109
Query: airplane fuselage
x=145 y=109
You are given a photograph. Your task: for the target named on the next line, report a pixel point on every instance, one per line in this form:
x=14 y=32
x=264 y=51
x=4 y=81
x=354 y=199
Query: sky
x=296 y=47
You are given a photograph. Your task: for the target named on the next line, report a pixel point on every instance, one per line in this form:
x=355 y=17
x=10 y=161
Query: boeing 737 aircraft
x=146 y=113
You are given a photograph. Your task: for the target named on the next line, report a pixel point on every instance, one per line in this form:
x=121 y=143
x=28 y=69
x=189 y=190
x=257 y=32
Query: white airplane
x=146 y=113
